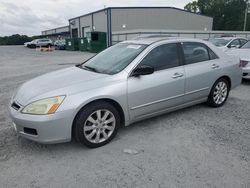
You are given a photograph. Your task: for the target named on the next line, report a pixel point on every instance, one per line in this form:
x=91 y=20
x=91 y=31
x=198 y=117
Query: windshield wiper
x=90 y=68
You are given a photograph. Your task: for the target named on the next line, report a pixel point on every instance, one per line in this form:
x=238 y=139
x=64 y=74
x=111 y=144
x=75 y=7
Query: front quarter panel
x=116 y=91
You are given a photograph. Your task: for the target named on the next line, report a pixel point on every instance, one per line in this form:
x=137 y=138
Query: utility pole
x=246 y=12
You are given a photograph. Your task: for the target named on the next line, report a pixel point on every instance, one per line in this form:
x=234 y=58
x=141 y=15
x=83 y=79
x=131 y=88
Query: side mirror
x=142 y=70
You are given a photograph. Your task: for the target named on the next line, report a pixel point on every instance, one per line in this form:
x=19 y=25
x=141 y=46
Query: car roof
x=229 y=38
x=153 y=39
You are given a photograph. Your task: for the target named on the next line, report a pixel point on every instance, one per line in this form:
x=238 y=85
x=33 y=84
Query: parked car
x=60 y=44
x=31 y=44
x=126 y=83
x=225 y=43
x=26 y=44
x=40 y=43
x=244 y=54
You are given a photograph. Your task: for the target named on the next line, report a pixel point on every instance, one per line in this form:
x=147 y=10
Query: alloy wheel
x=220 y=93
x=99 y=126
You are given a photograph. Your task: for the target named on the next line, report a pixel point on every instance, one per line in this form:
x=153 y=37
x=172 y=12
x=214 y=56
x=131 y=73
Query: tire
x=87 y=125
x=219 y=93
x=48 y=45
x=32 y=46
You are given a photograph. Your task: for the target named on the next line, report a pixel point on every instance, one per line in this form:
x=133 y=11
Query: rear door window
x=212 y=55
x=195 y=52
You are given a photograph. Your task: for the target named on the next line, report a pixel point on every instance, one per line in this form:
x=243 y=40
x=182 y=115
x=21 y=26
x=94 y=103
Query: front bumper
x=47 y=129
x=246 y=72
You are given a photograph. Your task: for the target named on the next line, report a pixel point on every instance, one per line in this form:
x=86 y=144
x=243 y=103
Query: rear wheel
x=219 y=93
x=96 y=124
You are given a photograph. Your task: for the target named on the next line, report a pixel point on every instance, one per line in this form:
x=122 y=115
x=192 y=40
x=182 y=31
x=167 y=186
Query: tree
x=16 y=39
x=227 y=14
x=192 y=7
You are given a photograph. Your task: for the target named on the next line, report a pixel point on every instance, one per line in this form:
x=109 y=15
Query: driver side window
x=162 y=57
x=235 y=42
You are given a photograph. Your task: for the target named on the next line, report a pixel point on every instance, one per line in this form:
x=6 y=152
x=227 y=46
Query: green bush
x=16 y=39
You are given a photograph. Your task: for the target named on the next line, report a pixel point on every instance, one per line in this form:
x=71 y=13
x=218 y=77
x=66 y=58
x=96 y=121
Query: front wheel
x=96 y=124
x=219 y=93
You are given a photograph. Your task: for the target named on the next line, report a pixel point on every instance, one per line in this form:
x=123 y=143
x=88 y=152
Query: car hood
x=54 y=81
x=223 y=48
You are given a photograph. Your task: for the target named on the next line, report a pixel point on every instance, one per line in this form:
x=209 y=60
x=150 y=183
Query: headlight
x=44 y=106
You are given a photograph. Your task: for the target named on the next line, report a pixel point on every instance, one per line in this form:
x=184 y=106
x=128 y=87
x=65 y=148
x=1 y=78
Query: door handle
x=215 y=66
x=177 y=75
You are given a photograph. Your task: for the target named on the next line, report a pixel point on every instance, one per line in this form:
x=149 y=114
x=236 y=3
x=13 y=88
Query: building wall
x=100 y=21
x=133 y=18
x=158 y=18
x=74 y=24
x=56 y=30
x=62 y=29
x=85 y=21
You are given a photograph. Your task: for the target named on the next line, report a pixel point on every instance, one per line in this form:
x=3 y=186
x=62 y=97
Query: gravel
x=194 y=147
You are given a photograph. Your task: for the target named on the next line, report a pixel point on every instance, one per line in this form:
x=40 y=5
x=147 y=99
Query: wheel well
x=228 y=79
x=114 y=103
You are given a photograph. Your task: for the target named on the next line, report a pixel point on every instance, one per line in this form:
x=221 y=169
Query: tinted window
x=235 y=43
x=247 y=45
x=212 y=55
x=219 y=41
x=162 y=57
x=195 y=52
x=243 y=41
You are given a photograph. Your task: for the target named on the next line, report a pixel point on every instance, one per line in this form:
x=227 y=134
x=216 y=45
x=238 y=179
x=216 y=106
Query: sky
x=30 y=17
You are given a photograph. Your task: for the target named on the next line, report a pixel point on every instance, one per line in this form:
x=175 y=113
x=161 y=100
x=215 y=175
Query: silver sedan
x=244 y=54
x=125 y=83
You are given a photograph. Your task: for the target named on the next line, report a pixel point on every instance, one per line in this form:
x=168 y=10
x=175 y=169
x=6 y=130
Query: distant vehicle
x=246 y=45
x=40 y=43
x=224 y=43
x=26 y=44
x=31 y=44
x=128 y=82
x=244 y=54
x=60 y=44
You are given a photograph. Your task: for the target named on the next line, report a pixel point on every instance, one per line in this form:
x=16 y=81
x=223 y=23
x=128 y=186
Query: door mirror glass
x=143 y=70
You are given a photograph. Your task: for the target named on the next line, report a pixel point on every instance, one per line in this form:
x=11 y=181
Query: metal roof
x=138 y=8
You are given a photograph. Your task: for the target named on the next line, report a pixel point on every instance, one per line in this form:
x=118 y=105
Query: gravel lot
x=194 y=147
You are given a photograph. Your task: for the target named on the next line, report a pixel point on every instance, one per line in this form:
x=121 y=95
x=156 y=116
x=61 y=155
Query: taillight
x=243 y=63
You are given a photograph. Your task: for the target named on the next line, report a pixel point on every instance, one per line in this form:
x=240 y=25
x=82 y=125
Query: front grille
x=15 y=106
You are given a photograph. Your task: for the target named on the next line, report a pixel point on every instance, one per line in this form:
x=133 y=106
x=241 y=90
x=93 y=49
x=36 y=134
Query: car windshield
x=219 y=42
x=247 y=45
x=114 y=59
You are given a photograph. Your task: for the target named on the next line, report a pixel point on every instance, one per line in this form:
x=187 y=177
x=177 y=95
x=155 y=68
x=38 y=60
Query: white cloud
x=30 y=17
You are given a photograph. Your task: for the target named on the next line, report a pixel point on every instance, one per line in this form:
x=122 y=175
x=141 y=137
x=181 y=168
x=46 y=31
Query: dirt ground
x=191 y=148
